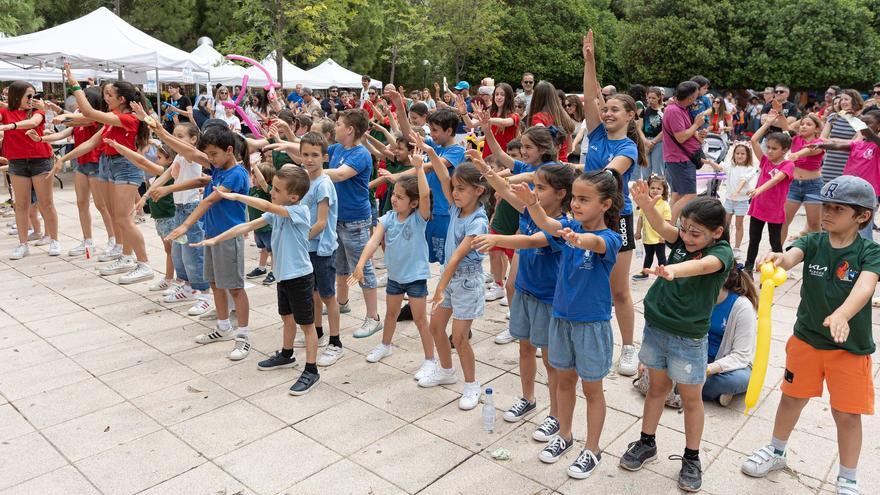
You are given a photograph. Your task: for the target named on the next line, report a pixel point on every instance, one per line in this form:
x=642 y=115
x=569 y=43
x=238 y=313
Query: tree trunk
x=279 y=43
x=393 y=63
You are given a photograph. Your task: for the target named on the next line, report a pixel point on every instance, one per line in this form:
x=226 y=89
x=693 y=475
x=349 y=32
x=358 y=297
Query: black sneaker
x=546 y=430
x=276 y=361
x=585 y=464
x=470 y=336
x=690 y=478
x=256 y=273
x=555 y=449
x=519 y=410
x=640 y=276
x=637 y=454
x=269 y=280
x=305 y=383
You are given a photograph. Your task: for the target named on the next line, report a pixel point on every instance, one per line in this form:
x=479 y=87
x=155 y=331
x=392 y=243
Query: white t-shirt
x=183 y=170
x=233 y=121
x=735 y=176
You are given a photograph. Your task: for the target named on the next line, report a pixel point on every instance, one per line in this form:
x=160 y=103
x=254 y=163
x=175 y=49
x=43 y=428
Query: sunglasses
x=780 y=91
x=875 y=92
x=371 y=93
x=832 y=93
x=569 y=105
x=528 y=82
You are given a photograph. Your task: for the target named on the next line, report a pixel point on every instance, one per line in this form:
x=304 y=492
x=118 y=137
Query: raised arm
x=424 y=188
x=259 y=179
x=539 y=216
x=640 y=195
x=402 y=118
x=85 y=108
x=759 y=134
x=437 y=165
x=498 y=183
x=591 y=104
x=501 y=155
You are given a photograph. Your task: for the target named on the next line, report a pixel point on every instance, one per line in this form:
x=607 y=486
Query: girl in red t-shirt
x=119 y=177
x=30 y=166
x=546 y=109
x=86 y=177
x=504 y=120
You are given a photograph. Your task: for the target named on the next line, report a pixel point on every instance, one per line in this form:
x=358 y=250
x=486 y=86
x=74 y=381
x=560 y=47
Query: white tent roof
x=329 y=73
x=293 y=75
x=221 y=70
x=9 y=72
x=97 y=40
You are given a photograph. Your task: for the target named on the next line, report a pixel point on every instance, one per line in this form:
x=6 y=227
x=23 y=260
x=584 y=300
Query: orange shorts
x=847 y=376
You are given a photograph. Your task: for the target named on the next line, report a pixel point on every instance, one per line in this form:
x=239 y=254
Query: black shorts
x=627 y=232
x=295 y=297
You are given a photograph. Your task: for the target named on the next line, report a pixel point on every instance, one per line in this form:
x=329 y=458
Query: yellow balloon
x=771 y=277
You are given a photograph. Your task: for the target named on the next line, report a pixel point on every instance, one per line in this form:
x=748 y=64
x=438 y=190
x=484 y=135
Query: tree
x=19 y=17
x=465 y=31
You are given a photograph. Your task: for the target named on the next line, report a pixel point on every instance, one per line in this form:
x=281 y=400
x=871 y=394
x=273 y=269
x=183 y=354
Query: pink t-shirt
x=813 y=162
x=769 y=206
x=677 y=119
x=864 y=162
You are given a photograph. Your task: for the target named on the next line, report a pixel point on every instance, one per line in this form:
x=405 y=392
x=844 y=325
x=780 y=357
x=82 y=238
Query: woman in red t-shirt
x=119 y=176
x=504 y=120
x=546 y=109
x=86 y=182
x=30 y=166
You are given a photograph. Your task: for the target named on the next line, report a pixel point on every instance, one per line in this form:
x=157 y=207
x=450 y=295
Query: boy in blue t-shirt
x=224 y=262
x=350 y=168
x=291 y=222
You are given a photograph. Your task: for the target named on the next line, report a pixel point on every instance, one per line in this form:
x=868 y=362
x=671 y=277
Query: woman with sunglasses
x=837 y=127
x=30 y=165
x=720 y=120
x=221 y=96
x=580 y=144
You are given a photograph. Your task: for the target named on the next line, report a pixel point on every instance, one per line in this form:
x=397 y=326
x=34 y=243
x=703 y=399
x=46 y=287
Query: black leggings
x=756 y=228
x=655 y=249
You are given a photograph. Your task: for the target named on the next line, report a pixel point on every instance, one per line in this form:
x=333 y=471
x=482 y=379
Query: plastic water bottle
x=489 y=412
x=640 y=249
x=181 y=240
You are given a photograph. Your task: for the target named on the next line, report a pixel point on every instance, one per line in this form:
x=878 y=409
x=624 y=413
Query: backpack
x=641 y=383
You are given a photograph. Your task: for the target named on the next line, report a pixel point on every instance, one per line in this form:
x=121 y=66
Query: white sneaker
x=124 y=264
x=162 y=284
x=43 y=241
x=438 y=377
x=330 y=355
x=300 y=341
x=184 y=294
x=504 y=302
x=428 y=367
x=763 y=461
x=378 y=353
x=216 y=336
x=34 y=236
x=202 y=306
x=141 y=272
x=368 y=327
x=13 y=230
x=20 y=252
x=846 y=486
x=487 y=278
x=80 y=249
x=504 y=337
x=470 y=396
x=737 y=254
x=629 y=362
x=508 y=315
x=54 y=248
x=241 y=350
x=494 y=293
x=111 y=243
x=111 y=254
x=173 y=287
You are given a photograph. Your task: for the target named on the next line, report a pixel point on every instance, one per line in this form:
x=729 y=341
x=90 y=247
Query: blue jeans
x=730 y=382
x=655 y=163
x=189 y=262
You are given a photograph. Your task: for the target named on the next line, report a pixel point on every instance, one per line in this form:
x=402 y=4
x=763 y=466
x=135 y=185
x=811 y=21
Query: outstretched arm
x=527 y=197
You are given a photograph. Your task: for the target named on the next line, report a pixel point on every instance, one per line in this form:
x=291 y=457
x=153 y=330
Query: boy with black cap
x=832 y=339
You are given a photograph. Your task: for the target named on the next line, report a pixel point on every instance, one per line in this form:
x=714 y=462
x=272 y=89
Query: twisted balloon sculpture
x=270 y=87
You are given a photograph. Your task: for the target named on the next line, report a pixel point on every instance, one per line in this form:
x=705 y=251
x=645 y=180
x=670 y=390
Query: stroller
x=714 y=148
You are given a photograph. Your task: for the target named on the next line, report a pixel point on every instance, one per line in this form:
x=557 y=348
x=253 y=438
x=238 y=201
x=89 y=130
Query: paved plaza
x=104 y=391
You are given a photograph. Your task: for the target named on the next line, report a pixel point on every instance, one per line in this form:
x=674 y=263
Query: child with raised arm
x=290 y=222
x=678 y=310
x=832 y=341
x=406 y=255
x=261 y=186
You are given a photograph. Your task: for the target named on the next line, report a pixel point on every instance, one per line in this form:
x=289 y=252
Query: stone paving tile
x=207 y=479
x=372 y=424
x=66 y=403
x=26 y=457
x=227 y=428
x=12 y=423
x=183 y=401
x=356 y=481
x=40 y=378
x=64 y=481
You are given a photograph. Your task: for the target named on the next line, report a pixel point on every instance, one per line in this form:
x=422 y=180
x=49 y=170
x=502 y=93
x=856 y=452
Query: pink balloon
x=255 y=128
x=271 y=86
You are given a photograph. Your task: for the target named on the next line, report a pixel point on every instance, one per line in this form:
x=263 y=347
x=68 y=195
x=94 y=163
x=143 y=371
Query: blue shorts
x=324 y=271
x=683 y=359
x=374 y=212
x=800 y=190
x=466 y=293
x=682 y=177
x=87 y=169
x=264 y=240
x=736 y=208
x=435 y=233
x=164 y=226
x=530 y=319
x=586 y=346
x=418 y=288
x=118 y=170
x=353 y=237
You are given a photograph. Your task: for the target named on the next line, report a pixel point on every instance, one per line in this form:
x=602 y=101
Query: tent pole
x=158 y=95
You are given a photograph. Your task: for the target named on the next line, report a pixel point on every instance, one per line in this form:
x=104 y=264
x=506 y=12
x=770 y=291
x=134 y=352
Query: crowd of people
x=558 y=190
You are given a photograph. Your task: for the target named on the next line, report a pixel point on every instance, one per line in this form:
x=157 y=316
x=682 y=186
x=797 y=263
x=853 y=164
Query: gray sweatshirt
x=737 y=346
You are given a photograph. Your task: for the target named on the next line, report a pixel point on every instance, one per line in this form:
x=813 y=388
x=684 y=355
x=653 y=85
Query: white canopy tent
x=9 y=72
x=329 y=73
x=222 y=71
x=293 y=75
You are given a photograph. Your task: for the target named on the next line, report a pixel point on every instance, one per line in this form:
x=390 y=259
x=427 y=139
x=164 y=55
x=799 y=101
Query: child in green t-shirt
x=397 y=159
x=832 y=340
x=678 y=309
x=261 y=177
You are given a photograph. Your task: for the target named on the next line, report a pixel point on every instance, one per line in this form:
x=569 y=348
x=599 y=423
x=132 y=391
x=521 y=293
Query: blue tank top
x=718 y=322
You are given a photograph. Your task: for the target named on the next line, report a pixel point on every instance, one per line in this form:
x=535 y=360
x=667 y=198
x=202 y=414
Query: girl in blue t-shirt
x=615 y=143
x=580 y=338
x=531 y=306
x=460 y=293
x=406 y=257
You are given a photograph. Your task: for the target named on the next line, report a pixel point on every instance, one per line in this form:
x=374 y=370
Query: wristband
x=15 y=125
x=76 y=88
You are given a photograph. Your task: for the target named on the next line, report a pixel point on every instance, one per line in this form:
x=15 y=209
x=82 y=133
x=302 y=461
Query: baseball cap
x=848 y=190
x=462 y=85
x=485 y=90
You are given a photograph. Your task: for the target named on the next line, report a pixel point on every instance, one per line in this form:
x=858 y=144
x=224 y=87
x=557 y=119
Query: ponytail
x=633 y=133
x=609 y=184
x=741 y=283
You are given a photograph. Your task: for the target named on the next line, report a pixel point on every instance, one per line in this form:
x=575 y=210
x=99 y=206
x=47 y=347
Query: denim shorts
x=324 y=273
x=353 y=237
x=87 y=169
x=30 y=167
x=418 y=288
x=374 y=212
x=586 y=346
x=737 y=208
x=264 y=240
x=682 y=177
x=435 y=233
x=530 y=319
x=164 y=226
x=118 y=170
x=799 y=190
x=683 y=359
x=466 y=293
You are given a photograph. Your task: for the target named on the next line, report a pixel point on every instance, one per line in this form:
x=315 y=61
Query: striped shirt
x=832 y=165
